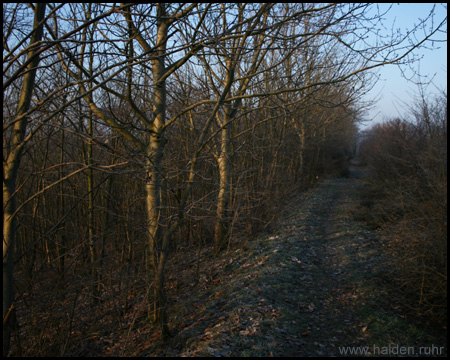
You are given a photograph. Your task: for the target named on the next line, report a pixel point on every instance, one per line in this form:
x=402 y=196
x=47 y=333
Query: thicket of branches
x=407 y=194
x=137 y=131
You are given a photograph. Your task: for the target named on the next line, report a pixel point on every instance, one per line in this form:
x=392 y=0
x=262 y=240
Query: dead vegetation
x=406 y=195
x=318 y=281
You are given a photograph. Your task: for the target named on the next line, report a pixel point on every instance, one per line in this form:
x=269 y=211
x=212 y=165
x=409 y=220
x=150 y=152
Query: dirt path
x=313 y=288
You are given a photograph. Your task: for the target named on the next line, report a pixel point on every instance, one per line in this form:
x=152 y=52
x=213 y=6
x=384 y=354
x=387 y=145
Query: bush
x=408 y=163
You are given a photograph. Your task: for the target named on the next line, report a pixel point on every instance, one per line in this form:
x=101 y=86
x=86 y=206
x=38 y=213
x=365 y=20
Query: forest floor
x=315 y=286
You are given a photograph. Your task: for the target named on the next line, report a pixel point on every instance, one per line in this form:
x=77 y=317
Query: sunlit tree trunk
x=236 y=46
x=158 y=255
x=223 y=198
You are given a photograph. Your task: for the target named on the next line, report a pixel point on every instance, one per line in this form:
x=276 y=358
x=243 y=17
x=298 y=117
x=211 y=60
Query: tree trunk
x=302 y=135
x=157 y=241
x=10 y=169
x=157 y=245
x=60 y=245
x=223 y=198
x=9 y=234
x=91 y=233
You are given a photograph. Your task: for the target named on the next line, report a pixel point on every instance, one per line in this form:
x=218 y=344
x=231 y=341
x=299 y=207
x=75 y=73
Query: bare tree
x=250 y=83
x=11 y=165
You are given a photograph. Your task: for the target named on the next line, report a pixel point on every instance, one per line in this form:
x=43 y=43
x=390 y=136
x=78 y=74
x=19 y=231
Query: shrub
x=408 y=163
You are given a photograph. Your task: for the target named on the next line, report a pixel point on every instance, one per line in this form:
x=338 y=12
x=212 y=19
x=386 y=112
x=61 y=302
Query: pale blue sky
x=393 y=89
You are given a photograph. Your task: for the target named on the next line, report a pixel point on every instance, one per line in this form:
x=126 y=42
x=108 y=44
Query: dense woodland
x=134 y=132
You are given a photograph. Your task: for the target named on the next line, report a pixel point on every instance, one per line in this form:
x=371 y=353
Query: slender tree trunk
x=95 y=283
x=61 y=243
x=9 y=234
x=223 y=198
x=302 y=136
x=157 y=257
x=157 y=253
x=91 y=234
x=107 y=224
x=10 y=169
